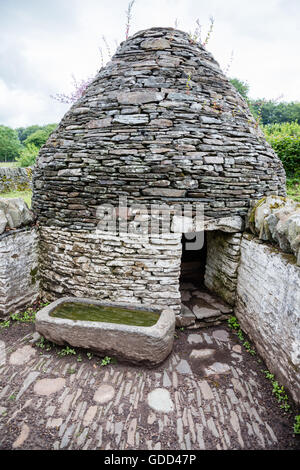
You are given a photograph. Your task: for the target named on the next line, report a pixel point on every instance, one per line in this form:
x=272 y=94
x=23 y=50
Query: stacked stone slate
x=159 y=123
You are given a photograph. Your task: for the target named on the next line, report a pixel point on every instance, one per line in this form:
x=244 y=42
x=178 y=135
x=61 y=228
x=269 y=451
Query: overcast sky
x=44 y=42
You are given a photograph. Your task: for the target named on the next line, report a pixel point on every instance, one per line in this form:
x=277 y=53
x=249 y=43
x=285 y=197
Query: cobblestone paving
x=206 y=397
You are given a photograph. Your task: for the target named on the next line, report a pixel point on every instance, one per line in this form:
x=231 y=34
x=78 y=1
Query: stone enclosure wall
x=15 y=179
x=19 y=285
x=125 y=268
x=223 y=256
x=268 y=307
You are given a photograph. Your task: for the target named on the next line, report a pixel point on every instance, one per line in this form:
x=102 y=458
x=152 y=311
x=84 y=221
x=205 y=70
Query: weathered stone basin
x=147 y=344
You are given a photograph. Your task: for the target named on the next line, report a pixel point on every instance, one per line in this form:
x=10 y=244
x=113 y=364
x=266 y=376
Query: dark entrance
x=193 y=263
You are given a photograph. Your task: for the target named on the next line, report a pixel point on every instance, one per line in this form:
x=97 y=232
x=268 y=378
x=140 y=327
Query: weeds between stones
x=278 y=390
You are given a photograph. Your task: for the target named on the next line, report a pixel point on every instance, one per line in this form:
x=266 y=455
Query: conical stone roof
x=160 y=123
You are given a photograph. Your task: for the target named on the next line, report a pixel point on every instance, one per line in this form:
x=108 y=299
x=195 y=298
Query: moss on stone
x=253 y=210
x=33 y=274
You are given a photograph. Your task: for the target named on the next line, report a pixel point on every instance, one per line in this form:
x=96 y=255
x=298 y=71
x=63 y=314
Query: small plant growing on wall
x=297 y=425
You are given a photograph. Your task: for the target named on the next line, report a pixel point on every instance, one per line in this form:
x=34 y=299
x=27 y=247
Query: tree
x=241 y=87
x=272 y=112
x=28 y=155
x=285 y=140
x=10 y=146
x=24 y=132
x=38 y=138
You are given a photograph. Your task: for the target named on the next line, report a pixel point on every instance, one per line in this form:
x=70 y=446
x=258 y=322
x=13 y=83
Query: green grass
x=293 y=188
x=26 y=195
x=8 y=164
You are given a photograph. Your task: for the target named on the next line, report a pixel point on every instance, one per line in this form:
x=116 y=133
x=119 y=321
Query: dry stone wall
x=223 y=256
x=126 y=268
x=268 y=306
x=19 y=285
x=15 y=179
x=160 y=123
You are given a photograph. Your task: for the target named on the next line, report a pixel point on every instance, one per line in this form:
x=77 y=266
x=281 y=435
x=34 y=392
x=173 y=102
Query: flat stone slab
x=201 y=353
x=104 y=394
x=22 y=355
x=186 y=295
x=203 y=310
x=237 y=348
x=184 y=367
x=160 y=400
x=22 y=437
x=49 y=386
x=213 y=300
x=194 y=338
x=186 y=312
x=224 y=308
x=2 y=353
x=221 y=335
x=217 y=368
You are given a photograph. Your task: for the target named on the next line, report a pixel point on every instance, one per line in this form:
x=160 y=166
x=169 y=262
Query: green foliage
x=28 y=156
x=38 y=138
x=89 y=355
x=234 y=325
x=67 y=351
x=247 y=345
x=276 y=112
x=26 y=195
x=8 y=165
x=105 y=361
x=25 y=132
x=44 y=344
x=5 y=324
x=297 y=425
x=285 y=140
x=241 y=87
x=293 y=188
x=24 y=317
x=10 y=146
x=278 y=391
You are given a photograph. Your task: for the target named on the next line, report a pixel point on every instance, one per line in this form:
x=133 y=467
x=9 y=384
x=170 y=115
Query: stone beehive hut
x=159 y=124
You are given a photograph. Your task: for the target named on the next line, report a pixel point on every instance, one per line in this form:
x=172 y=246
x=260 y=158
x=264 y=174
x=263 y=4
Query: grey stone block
x=136 y=344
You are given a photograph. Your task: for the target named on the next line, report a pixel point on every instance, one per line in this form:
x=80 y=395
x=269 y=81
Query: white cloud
x=19 y=108
x=43 y=43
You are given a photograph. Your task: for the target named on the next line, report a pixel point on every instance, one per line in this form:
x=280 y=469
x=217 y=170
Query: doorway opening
x=200 y=304
x=193 y=262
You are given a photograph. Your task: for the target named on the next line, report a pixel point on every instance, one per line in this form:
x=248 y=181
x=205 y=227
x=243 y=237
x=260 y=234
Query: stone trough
x=149 y=345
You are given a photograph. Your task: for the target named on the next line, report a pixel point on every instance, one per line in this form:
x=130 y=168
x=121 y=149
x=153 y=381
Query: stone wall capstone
x=15 y=179
x=268 y=306
x=19 y=283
